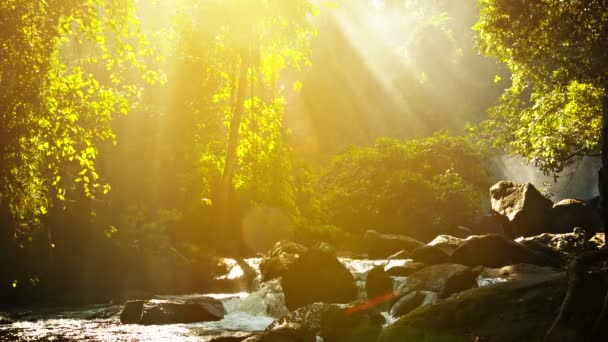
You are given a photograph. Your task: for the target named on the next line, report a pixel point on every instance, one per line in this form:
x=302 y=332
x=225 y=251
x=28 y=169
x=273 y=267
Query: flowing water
x=245 y=313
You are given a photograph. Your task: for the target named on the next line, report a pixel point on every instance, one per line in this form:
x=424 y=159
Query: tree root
x=584 y=283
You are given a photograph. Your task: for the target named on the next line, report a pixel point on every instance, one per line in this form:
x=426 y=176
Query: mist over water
x=577 y=181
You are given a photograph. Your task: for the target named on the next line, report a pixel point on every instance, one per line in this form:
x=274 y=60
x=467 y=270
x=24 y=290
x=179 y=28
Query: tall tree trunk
x=603 y=172
x=225 y=187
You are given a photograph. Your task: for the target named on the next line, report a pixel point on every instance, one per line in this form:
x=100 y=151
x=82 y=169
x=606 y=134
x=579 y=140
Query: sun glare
x=378 y=4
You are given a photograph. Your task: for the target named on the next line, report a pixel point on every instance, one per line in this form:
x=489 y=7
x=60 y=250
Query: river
x=245 y=313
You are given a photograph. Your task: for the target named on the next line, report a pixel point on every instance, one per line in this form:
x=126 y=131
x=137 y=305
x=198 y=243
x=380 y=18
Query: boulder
x=527 y=211
x=381 y=246
x=560 y=258
x=446 y=243
x=378 y=283
x=308 y=317
x=571 y=243
x=458 y=282
x=432 y=278
x=461 y=232
x=276 y=262
x=399 y=255
x=519 y=310
x=268 y=298
x=232 y=336
x=430 y=255
x=598 y=241
x=495 y=250
x=489 y=224
x=5 y=319
x=412 y=301
x=288 y=332
x=355 y=323
x=570 y=213
x=405 y=270
x=156 y=311
x=516 y=272
x=318 y=276
x=131 y=312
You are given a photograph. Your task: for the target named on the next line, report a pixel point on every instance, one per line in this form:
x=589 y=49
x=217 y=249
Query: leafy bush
x=419 y=187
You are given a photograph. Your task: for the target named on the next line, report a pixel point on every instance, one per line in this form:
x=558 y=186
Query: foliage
x=556 y=51
x=64 y=75
x=415 y=187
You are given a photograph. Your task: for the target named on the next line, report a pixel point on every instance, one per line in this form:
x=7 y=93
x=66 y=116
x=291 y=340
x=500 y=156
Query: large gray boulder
x=526 y=210
x=378 y=283
x=446 y=243
x=131 y=312
x=570 y=213
x=276 y=262
x=307 y=317
x=437 y=278
x=574 y=242
x=495 y=250
x=520 y=310
x=156 y=311
x=382 y=246
x=430 y=255
x=318 y=276
x=355 y=323
x=412 y=301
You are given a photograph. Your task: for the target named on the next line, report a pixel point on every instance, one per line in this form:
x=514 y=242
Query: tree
x=251 y=42
x=556 y=52
x=66 y=71
x=398 y=186
x=557 y=106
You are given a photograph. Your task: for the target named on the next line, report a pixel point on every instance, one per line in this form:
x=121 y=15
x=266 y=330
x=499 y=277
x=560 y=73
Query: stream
x=245 y=313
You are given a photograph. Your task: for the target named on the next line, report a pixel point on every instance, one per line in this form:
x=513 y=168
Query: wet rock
x=520 y=310
x=430 y=255
x=318 y=276
x=571 y=243
x=527 y=211
x=432 y=278
x=598 y=241
x=233 y=336
x=308 y=316
x=378 y=283
x=446 y=243
x=380 y=245
x=355 y=323
x=276 y=262
x=494 y=250
x=399 y=255
x=458 y=282
x=269 y=298
x=561 y=258
x=517 y=272
x=570 y=213
x=287 y=332
x=405 y=270
x=172 y=312
x=5 y=319
x=131 y=312
x=412 y=301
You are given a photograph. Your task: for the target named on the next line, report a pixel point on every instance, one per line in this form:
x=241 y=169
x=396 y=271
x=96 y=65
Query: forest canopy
x=164 y=132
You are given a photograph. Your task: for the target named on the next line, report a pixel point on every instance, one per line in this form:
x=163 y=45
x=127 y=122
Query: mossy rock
x=513 y=311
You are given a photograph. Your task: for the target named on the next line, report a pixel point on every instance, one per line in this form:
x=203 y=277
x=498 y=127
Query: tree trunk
x=603 y=172
x=225 y=187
